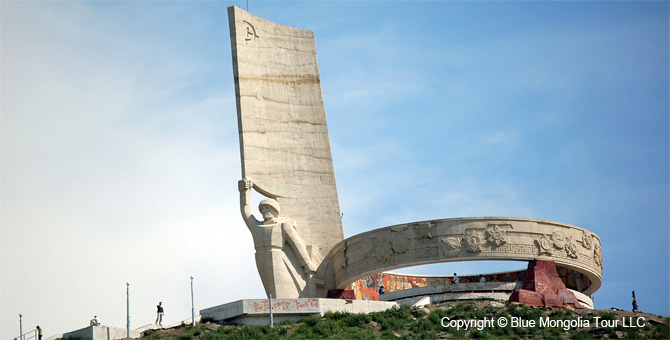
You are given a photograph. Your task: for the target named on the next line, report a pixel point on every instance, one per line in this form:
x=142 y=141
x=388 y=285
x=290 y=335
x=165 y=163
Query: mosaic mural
x=367 y=288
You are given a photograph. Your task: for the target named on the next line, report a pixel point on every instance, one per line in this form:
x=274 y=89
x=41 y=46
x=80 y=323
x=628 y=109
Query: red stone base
x=345 y=294
x=527 y=297
x=543 y=287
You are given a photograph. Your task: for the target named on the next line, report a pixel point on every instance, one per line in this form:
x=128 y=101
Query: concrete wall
x=434 y=299
x=478 y=287
x=356 y=306
x=489 y=290
x=257 y=311
x=84 y=333
x=100 y=333
x=583 y=299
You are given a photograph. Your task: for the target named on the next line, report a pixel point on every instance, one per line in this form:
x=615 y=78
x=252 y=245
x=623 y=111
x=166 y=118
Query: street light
x=192 y=305
x=128 y=309
x=272 y=322
x=21 y=327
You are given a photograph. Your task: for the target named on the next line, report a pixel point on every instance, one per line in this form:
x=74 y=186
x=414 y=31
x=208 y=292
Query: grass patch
x=404 y=323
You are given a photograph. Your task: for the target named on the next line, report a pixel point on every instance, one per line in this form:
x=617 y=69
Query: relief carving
x=544 y=245
x=399 y=243
x=450 y=246
x=496 y=235
x=598 y=255
x=473 y=240
x=587 y=240
x=424 y=232
x=251 y=31
x=571 y=248
x=382 y=250
x=559 y=239
x=367 y=246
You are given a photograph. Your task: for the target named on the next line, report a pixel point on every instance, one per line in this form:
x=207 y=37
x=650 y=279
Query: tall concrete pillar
x=284 y=143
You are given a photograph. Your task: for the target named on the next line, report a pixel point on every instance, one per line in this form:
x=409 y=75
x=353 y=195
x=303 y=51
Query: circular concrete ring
x=468 y=239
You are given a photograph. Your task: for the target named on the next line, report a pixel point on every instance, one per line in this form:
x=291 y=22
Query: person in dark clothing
x=159 y=312
x=39 y=333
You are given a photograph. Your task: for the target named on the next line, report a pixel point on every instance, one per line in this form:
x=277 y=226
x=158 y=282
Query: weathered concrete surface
x=584 y=300
x=438 y=298
x=454 y=288
x=100 y=333
x=283 y=132
x=257 y=311
x=471 y=239
x=414 y=302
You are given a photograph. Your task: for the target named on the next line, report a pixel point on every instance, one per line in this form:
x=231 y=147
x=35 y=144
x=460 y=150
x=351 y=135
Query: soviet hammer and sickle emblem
x=251 y=32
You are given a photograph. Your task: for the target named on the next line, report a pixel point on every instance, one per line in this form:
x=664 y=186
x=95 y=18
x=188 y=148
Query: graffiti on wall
x=286 y=305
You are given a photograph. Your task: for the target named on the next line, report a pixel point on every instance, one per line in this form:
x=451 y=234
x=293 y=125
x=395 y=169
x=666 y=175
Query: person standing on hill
x=159 y=314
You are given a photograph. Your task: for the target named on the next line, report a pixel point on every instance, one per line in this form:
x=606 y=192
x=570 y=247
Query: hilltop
x=473 y=319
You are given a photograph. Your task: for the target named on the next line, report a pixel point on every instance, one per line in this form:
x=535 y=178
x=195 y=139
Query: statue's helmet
x=271 y=203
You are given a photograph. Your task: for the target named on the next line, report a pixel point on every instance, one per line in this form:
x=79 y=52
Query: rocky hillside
x=454 y=320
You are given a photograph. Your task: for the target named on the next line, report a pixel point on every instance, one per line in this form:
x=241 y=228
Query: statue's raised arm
x=244 y=186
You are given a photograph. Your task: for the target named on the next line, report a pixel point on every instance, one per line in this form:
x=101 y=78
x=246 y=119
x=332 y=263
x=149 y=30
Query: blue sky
x=120 y=153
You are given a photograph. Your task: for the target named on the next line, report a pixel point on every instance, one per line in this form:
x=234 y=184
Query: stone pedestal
x=543 y=287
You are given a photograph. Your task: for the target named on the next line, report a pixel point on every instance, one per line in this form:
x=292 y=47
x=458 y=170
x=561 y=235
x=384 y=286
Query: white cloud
x=111 y=174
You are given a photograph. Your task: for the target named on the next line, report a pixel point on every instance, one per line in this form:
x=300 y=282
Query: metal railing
x=30 y=335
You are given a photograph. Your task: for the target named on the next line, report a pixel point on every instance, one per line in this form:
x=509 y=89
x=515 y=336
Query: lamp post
x=128 y=310
x=192 y=305
x=21 y=326
x=272 y=323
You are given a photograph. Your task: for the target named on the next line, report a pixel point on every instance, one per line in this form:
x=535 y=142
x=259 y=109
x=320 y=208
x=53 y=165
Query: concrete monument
x=285 y=154
x=467 y=239
x=300 y=248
